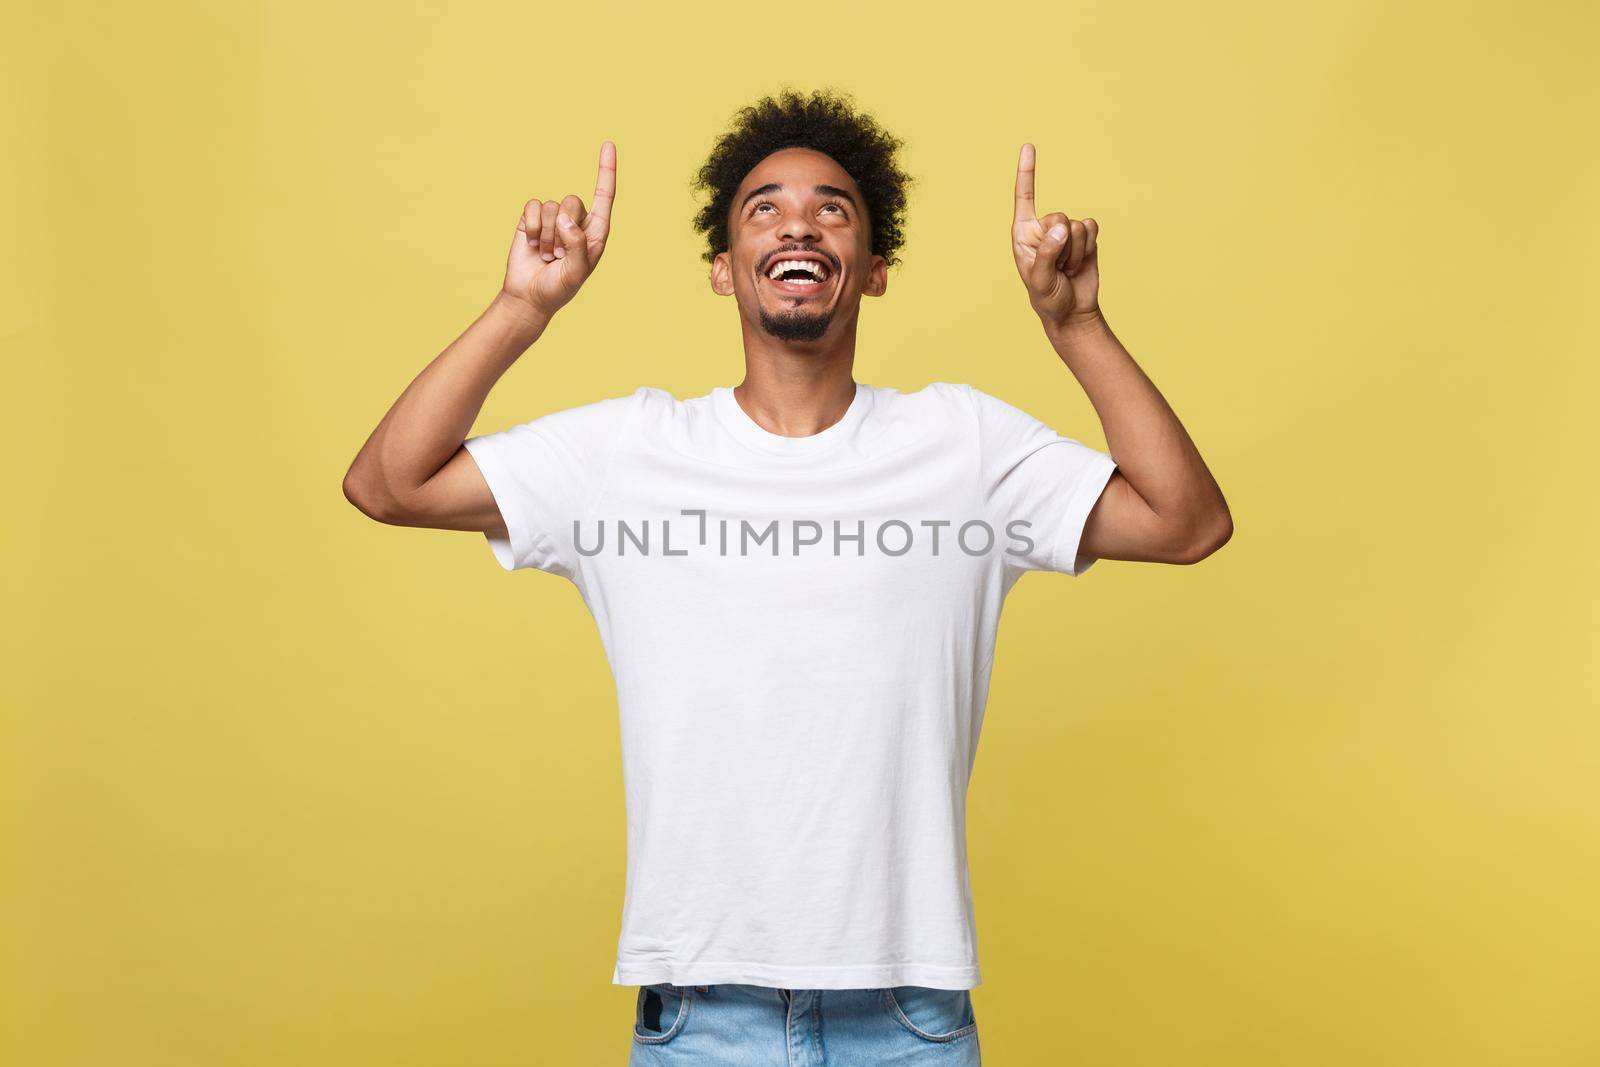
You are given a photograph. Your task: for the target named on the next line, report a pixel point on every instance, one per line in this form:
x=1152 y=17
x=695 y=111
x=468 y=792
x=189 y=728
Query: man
x=797 y=582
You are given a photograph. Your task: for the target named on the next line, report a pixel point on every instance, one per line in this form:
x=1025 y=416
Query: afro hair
x=826 y=121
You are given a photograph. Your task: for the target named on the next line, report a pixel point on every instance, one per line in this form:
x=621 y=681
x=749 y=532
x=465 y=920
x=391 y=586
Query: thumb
x=574 y=241
x=1044 y=260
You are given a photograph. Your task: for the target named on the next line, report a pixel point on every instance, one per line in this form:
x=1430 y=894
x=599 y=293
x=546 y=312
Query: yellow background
x=287 y=786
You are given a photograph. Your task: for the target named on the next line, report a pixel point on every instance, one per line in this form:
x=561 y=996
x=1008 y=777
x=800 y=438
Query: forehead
x=797 y=168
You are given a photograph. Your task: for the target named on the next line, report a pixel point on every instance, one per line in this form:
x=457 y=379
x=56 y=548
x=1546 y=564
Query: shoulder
x=933 y=400
x=655 y=408
x=994 y=415
x=596 y=418
x=984 y=404
x=998 y=426
x=937 y=411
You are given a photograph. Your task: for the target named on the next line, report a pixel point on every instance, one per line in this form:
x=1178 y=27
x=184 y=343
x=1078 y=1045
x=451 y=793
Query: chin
x=796 y=326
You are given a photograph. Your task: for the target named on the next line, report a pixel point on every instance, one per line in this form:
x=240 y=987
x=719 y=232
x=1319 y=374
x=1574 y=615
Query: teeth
x=782 y=265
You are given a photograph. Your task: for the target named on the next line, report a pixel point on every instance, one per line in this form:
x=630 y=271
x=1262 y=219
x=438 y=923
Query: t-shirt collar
x=735 y=420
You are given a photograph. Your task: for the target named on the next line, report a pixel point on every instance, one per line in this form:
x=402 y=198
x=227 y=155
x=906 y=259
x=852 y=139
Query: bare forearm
x=1152 y=449
x=1179 y=515
x=554 y=250
x=430 y=420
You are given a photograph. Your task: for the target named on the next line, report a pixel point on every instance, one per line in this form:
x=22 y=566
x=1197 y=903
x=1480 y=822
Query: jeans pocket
x=660 y=1012
x=931 y=1014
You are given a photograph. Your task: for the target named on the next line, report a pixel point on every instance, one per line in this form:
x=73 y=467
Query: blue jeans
x=760 y=1026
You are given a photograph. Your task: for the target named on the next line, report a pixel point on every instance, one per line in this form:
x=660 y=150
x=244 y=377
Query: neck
x=797 y=390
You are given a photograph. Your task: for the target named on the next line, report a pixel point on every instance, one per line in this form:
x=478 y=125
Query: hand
x=550 y=259
x=1061 y=271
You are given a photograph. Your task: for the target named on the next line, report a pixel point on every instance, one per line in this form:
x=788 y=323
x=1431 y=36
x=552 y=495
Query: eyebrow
x=772 y=187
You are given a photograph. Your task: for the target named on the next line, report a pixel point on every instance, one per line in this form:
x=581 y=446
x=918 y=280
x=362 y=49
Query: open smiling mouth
x=799 y=276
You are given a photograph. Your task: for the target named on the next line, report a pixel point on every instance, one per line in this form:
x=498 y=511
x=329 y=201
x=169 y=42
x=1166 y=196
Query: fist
x=558 y=243
x=1055 y=255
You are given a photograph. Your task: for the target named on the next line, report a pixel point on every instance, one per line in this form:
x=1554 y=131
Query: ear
x=722 y=274
x=877 y=278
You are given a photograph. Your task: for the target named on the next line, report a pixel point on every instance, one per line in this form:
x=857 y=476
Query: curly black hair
x=827 y=122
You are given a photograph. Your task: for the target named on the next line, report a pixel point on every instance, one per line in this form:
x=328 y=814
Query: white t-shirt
x=801 y=631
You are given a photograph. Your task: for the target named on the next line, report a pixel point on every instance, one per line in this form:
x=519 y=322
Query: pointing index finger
x=1024 y=207
x=605 y=186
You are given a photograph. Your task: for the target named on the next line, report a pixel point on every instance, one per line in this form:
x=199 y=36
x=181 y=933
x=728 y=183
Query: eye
x=835 y=203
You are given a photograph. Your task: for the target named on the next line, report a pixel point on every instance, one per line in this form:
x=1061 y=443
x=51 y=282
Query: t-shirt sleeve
x=544 y=475
x=1038 y=485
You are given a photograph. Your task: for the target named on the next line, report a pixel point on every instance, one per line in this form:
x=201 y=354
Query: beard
x=796 y=325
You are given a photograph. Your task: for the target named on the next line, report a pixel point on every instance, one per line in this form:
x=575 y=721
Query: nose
x=797 y=226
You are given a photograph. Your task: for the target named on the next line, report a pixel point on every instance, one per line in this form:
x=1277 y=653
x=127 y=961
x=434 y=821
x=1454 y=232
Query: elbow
x=362 y=496
x=1212 y=536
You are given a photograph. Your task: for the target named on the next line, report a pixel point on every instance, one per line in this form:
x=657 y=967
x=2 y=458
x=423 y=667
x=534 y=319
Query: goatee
x=796 y=325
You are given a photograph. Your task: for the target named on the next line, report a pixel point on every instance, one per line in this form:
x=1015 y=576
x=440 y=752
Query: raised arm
x=413 y=470
x=1162 y=505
